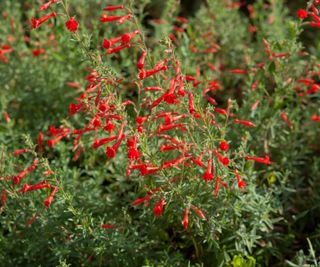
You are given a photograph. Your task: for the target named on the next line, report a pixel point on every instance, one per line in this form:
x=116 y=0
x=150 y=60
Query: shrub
x=135 y=134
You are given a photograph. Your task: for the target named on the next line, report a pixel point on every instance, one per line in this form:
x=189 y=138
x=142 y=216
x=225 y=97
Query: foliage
x=218 y=159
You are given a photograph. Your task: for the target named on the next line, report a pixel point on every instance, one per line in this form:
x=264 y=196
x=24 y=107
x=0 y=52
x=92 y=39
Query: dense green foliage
x=272 y=221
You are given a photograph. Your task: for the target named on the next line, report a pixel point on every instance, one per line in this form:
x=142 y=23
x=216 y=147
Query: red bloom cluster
x=72 y=24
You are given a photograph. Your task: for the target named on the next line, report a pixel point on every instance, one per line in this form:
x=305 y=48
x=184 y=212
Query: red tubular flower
x=185 y=221
x=17 y=179
x=306 y=82
x=246 y=123
x=265 y=160
x=144 y=74
x=108 y=43
x=164 y=147
x=285 y=118
x=174 y=162
x=191 y=103
x=133 y=152
x=55 y=140
x=20 y=151
x=26 y=187
x=314 y=10
x=302 y=14
x=255 y=105
x=112 y=151
x=239 y=71
x=112 y=8
x=163 y=128
x=177 y=68
x=72 y=24
x=74 y=108
x=190 y=78
x=223 y=146
x=40 y=142
x=48 y=201
x=109 y=127
x=157 y=211
x=117 y=49
x=211 y=100
x=197 y=162
x=106 y=18
x=32 y=167
x=141 y=200
x=38 y=52
x=3 y=198
x=140 y=64
x=6 y=117
x=121 y=129
x=181 y=91
x=37 y=22
x=254 y=85
x=95 y=122
x=107 y=226
x=120 y=19
x=124 y=18
x=314 y=24
x=199 y=212
x=152 y=88
x=224 y=160
x=241 y=183
x=221 y=111
x=208 y=175
x=45 y=6
x=126 y=38
x=315 y=118
x=77 y=154
x=100 y=142
x=216 y=188
x=156 y=102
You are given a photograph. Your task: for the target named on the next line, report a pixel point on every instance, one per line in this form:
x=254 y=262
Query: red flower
x=223 y=146
x=112 y=8
x=112 y=151
x=72 y=24
x=199 y=212
x=208 y=175
x=241 y=183
x=140 y=200
x=21 y=151
x=26 y=187
x=157 y=211
x=185 y=221
x=126 y=38
x=140 y=63
x=17 y=179
x=38 y=52
x=4 y=197
x=37 y=22
x=48 y=201
x=45 y=6
x=133 y=152
x=107 y=226
x=246 y=123
x=265 y=160
x=302 y=14
x=285 y=118
x=315 y=118
x=224 y=160
x=6 y=117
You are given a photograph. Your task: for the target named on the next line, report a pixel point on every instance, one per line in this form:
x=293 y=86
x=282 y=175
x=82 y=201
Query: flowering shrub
x=157 y=140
